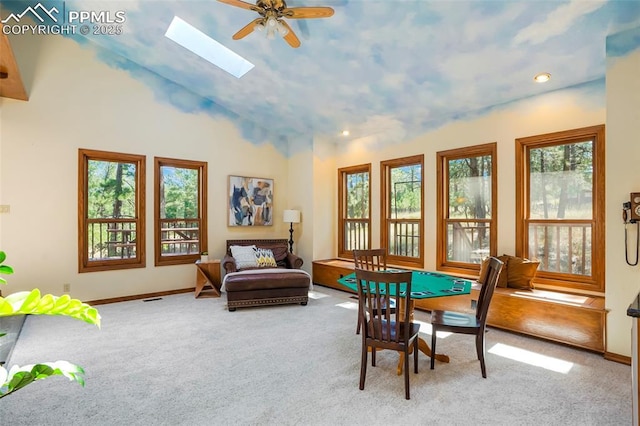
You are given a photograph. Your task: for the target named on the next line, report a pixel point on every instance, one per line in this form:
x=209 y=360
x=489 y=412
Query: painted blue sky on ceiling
x=392 y=67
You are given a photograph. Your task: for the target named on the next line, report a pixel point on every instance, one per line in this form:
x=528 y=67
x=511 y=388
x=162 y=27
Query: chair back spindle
x=371 y=260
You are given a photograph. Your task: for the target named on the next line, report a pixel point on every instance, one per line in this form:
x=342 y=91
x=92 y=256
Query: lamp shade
x=291 y=216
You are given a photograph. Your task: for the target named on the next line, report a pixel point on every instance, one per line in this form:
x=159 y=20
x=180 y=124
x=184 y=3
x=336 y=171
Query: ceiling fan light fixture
x=282 y=29
x=272 y=18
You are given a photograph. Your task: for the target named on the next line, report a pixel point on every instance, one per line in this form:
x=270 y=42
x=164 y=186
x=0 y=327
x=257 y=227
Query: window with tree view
x=402 y=207
x=181 y=226
x=354 y=208
x=466 y=207
x=562 y=189
x=111 y=216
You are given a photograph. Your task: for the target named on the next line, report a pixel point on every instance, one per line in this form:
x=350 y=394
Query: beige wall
x=78 y=102
x=623 y=177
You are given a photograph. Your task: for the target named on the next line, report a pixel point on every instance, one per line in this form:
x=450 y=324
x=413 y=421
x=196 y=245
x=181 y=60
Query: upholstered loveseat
x=263 y=272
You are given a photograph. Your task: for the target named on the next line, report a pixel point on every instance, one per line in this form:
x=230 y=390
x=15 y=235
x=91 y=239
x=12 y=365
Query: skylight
x=207 y=48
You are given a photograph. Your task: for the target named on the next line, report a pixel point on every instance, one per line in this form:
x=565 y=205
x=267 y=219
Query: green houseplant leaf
x=19 y=377
x=33 y=303
x=25 y=302
x=4 y=269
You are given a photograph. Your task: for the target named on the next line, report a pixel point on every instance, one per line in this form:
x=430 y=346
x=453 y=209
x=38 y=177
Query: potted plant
x=31 y=302
x=204 y=257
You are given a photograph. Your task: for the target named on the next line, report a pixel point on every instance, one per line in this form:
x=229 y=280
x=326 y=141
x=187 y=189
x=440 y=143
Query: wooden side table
x=208 y=275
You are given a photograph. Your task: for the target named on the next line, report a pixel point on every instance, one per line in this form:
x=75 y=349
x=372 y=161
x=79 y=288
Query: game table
x=424 y=284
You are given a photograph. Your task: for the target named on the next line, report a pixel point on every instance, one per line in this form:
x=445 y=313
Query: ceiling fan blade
x=243 y=5
x=247 y=29
x=307 y=12
x=290 y=37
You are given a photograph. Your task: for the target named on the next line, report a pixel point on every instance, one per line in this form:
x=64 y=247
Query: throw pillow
x=521 y=272
x=264 y=258
x=280 y=253
x=245 y=257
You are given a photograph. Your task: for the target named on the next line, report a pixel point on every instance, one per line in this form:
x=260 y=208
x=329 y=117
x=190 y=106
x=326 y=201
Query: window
x=354 y=209
x=560 y=207
x=111 y=216
x=402 y=224
x=180 y=211
x=467 y=231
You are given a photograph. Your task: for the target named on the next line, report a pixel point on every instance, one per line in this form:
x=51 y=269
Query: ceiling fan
x=271 y=17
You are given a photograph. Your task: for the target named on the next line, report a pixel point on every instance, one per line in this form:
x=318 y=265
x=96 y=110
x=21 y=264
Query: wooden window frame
x=342 y=194
x=84 y=265
x=385 y=209
x=595 y=284
x=442 y=201
x=201 y=166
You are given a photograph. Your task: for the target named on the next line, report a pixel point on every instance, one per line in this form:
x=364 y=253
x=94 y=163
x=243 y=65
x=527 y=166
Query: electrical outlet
x=4 y=208
x=66 y=288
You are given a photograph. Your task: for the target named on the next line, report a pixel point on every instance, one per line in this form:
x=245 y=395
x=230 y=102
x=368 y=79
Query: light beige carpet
x=182 y=361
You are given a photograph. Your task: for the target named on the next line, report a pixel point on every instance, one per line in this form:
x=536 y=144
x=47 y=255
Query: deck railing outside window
x=111 y=239
x=562 y=247
x=356 y=233
x=404 y=237
x=180 y=236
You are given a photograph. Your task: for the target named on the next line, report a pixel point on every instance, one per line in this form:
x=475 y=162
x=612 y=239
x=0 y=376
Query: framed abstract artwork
x=250 y=201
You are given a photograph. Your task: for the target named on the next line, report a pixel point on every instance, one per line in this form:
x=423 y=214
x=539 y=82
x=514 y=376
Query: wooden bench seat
x=562 y=317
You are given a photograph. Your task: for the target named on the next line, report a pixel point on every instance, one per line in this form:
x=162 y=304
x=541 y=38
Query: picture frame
x=250 y=201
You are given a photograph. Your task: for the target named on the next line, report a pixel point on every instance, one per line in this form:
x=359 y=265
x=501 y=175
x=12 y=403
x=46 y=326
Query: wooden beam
x=11 y=85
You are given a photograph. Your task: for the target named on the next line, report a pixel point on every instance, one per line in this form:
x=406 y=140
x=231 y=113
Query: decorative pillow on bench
x=265 y=259
x=517 y=272
x=252 y=257
x=520 y=272
x=245 y=257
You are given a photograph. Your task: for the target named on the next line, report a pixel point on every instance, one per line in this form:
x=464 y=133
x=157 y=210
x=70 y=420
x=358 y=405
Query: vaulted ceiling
x=396 y=67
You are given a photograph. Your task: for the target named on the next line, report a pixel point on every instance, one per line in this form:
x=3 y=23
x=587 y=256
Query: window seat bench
x=571 y=319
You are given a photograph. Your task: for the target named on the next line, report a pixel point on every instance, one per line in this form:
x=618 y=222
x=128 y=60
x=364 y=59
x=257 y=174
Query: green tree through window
x=111 y=213
x=466 y=207
x=180 y=232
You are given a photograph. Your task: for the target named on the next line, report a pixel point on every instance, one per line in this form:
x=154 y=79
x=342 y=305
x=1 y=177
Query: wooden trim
x=622 y=359
x=84 y=155
x=385 y=208
x=201 y=167
x=342 y=193
x=12 y=86
x=140 y=296
x=522 y=147
x=442 y=203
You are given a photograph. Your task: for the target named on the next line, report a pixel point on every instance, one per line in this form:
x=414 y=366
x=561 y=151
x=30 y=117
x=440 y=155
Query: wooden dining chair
x=386 y=329
x=371 y=260
x=464 y=323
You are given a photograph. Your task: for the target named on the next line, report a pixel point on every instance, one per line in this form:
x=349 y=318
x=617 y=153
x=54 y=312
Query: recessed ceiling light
x=543 y=77
x=345 y=133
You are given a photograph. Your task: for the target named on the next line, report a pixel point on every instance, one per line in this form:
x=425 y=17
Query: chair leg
x=415 y=355
x=406 y=374
x=433 y=347
x=373 y=356
x=359 y=324
x=480 y=351
x=363 y=365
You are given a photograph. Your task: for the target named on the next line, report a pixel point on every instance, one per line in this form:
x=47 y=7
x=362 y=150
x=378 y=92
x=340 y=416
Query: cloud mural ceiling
x=394 y=68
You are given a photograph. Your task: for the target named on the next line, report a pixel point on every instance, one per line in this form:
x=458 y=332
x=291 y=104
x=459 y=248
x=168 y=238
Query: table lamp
x=291 y=216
